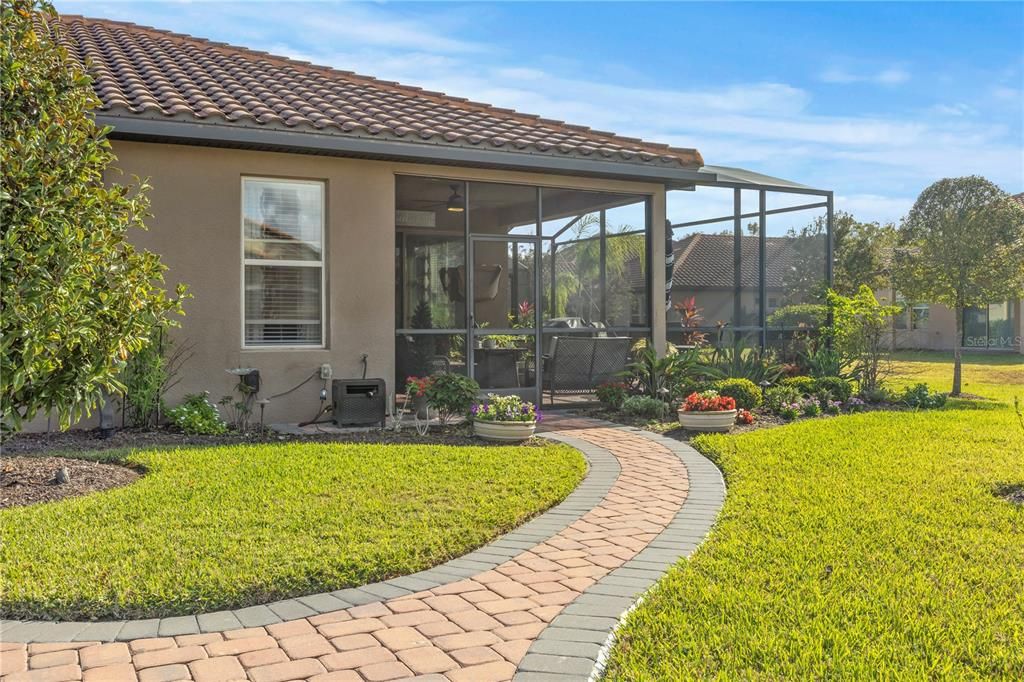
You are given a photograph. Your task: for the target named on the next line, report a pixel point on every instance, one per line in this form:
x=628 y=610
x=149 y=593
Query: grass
x=224 y=527
x=868 y=546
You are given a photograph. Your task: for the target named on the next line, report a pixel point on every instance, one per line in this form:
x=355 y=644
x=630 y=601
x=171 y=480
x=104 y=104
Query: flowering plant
x=708 y=401
x=832 y=406
x=745 y=417
x=612 y=393
x=855 y=404
x=788 y=411
x=417 y=386
x=810 y=407
x=505 y=408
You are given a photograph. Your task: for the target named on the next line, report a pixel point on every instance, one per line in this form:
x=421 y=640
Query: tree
x=76 y=298
x=860 y=325
x=962 y=245
x=860 y=256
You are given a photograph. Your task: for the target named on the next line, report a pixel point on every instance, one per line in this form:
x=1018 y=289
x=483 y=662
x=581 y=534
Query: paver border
x=602 y=471
x=575 y=645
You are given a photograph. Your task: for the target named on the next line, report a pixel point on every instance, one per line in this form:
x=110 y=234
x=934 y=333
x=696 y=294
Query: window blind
x=282 y=225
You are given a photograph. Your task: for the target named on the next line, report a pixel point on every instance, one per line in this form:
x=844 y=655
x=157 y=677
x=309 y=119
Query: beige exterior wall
x=940 y=332
x=196 y=228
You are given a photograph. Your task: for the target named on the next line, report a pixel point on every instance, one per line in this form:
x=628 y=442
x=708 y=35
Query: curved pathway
x=538 y=604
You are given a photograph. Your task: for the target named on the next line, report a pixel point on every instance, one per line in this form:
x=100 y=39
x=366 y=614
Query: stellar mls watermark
x=992 y=341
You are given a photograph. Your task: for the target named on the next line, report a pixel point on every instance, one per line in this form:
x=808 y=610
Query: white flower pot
x=721 y=420
x=504 y=431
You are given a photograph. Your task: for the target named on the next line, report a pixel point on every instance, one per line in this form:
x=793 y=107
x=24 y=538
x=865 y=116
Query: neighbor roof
x=142 y=73
x=706 y=260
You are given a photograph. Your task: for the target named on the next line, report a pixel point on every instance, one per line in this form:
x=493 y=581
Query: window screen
x=283 y=226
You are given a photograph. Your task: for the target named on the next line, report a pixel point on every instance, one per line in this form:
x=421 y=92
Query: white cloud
x=892 y=75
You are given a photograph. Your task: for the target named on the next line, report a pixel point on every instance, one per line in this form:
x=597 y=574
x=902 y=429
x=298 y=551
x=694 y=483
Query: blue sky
x=872 y=100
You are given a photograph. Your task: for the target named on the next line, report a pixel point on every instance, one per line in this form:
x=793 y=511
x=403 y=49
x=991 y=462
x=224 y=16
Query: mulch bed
x=69 y=442
x=29 y=480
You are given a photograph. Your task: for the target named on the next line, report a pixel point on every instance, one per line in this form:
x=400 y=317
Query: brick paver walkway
x=473 y=630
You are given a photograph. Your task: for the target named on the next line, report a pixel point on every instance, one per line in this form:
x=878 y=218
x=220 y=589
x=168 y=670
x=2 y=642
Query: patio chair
x=578 y=364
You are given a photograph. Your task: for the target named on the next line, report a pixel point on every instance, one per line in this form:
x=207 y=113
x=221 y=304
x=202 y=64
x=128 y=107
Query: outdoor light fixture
x=455 y=203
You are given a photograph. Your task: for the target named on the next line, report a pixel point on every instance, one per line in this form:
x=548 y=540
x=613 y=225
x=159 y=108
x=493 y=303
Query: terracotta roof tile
x=706 y=260
x=143 y=71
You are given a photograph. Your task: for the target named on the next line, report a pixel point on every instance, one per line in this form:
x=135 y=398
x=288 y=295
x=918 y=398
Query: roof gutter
x=183 y=132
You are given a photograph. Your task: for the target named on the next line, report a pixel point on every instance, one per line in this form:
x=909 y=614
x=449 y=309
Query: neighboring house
x=320 y=217
x=998 y=326
x=704 y=270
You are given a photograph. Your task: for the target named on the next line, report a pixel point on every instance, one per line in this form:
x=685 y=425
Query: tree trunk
x=957 y=342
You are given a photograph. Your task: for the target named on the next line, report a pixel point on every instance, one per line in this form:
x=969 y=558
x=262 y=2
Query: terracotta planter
x=504 y=431
x=720 y=421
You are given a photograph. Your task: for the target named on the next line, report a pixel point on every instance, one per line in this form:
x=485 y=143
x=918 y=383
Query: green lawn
x=867 y=546
x=212 y=528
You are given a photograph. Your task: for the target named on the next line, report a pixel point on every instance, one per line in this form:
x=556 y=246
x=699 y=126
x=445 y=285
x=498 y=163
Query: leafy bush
x=920 y=397
x=505 y=408
x=612 y=393
x=827 y=362
x=878 y=394
x=810 y=407
x=805 y=385
x=744 y=391
x=661 y=377
x=197 y=415
x=451 y=394
x=745 y=363
x=836 y=387
x=78 y=297
x=860 y=333
x=778 y=396
x=645 y=407
x=811 y=315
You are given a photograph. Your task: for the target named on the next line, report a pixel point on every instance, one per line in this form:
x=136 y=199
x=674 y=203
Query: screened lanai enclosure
x=520 y=287
x=750 y=261
x=543 y=289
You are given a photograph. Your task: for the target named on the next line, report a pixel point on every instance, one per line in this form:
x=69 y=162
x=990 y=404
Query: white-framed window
x=283 y=277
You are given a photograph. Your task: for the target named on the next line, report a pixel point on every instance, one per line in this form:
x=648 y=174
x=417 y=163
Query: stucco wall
x=195 y=227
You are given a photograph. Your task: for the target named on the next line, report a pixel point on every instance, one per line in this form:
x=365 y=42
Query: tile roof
x=706 y=260
x=145 y=72
x=1019 y=198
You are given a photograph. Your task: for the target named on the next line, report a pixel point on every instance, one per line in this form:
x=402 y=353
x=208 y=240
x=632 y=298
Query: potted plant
x=708 y=411
x=505 y=418
x=416 y=390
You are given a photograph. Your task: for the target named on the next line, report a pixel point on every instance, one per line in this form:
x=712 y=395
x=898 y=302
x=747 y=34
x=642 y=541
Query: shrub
x=745 y=417
x=920 y=397
x=645 y=407
x=804 y=385
x=788 y=411
x=837 y=387
x=197 y=415
x=878 y=394
x=744 y=391
x=855 y=404
x=78 y=297
x=778 y=396
x=505 y=408
x=451 y=394
x=810 y=407
x=612 y=393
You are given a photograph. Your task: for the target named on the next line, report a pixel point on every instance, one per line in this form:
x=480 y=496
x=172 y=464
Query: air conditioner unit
x=359 y=402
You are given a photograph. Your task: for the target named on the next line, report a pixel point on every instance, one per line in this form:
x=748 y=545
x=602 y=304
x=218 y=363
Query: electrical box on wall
x=326 y=372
